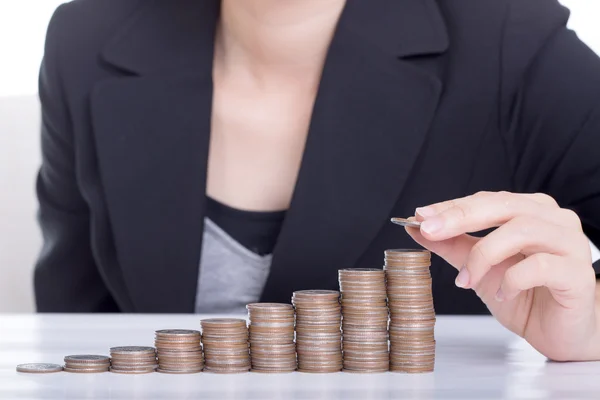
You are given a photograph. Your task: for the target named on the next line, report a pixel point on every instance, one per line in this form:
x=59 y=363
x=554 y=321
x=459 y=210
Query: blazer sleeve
x=551 y=105
x=66 y=278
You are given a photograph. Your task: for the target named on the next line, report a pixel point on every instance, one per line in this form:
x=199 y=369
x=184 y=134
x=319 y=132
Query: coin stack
x=412 y=315
x=133 y=360
x=179 y=351
x=86 y=364
x=318 y=334
x=272 y=348
x=225 y=343
x=364 y=320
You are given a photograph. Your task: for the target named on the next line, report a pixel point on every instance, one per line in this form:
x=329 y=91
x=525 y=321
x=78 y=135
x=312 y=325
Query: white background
x=22 y=28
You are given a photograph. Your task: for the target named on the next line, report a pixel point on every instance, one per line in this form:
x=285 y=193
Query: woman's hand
x=534 y=272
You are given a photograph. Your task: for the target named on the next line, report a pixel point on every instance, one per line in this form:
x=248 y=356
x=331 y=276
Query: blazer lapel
x=370 y=120
x=152 y=131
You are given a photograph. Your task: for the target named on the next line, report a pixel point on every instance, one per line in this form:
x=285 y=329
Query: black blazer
x=420 y=101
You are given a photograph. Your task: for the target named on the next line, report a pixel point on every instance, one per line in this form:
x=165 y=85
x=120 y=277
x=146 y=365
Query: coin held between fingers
x=406 y=222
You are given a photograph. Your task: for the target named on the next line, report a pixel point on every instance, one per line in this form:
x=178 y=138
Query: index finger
x=436 y=208
x=481 y=211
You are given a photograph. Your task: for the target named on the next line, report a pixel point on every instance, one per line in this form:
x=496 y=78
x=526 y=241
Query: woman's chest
x=257 y=140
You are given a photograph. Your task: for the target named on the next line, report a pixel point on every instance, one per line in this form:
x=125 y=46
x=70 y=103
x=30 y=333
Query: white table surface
x=476 y=359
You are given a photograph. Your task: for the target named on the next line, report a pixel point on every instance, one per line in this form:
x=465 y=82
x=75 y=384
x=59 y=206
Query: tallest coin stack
x=412 y=315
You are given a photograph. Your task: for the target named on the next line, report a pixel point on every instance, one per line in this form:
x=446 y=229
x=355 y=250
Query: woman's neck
x=268 y=37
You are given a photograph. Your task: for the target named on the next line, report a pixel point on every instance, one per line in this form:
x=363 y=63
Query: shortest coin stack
x=179 y=351
x=133 y=360
x=225 y=343
x=86 y=364
x=272 y=348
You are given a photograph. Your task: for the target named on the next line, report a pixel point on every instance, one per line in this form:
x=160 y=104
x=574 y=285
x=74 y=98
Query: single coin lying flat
x=39 y=368
x=406 y=222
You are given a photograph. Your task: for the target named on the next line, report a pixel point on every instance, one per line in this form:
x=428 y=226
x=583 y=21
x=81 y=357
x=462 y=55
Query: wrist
x=589 y=349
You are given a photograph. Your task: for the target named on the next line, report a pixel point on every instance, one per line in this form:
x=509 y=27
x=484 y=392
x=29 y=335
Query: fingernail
x=462 y=280
x=500 y=295
x=425 y=211
x=432 y=226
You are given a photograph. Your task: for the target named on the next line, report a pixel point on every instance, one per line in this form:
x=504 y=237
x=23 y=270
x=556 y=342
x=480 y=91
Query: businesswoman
x=200 y=155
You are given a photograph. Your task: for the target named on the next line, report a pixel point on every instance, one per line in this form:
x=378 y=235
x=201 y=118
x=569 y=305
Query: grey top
x=231 y=276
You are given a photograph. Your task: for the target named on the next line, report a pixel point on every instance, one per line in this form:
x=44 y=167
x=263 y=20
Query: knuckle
x=462 y=211
x=581 y=249
x=450 y=203
x=482 y=193
x=588 y=280
x=541 y=263
x=582 y=279
x=570 y=217
x=511 y=279
x=546 y=199
x=480 y=253
x=506 y=199
x=523 y=226
x=586 y=245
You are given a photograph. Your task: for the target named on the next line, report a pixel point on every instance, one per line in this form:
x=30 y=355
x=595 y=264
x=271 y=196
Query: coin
x=86 y=370
x=406 y=222
x=136 y=363
x=132 y=371
x=227 y=370
x=172 y=333
x=133 y=367
x=131 y=350
x=87 y=366
x=39 y=368
x=270 y=307
x=87 y=359
x=179 y=371
x=214 y=323
x=180 y=356
x=272 y=370
x=320 y=370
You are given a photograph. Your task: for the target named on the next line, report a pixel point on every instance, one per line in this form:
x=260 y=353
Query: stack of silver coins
x=318 y=334
x=179 y=351
x=412 y=315
x=272 y=348
x=225 y=342
x=133 y=359
x=364 y=320
x=86 y=364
